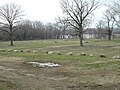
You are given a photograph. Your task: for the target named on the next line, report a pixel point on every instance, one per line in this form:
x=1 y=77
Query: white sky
x=43 y=10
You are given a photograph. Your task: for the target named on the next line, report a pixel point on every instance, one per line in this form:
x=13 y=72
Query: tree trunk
x=63 y=34
x=81 y=38
x=109 y=35
x=11 y=43
x=11 y=35
x=11 y=40
x=81 y=43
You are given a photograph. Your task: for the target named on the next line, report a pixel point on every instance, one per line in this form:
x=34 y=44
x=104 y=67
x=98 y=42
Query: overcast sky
x=42 y=10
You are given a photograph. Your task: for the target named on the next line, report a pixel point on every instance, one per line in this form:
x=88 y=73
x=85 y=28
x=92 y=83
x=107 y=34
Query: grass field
x=77 y=72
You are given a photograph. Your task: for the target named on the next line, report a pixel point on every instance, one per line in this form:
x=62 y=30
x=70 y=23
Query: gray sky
x=44 y=10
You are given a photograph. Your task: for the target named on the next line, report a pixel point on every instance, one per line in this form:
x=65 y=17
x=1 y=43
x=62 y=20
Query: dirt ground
x=15 y=74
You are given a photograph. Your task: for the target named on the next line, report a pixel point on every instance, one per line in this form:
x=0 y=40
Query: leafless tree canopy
x=109 y=19
x=78 y=11
x=63 y=23
x=115 y=5
x=10 y=15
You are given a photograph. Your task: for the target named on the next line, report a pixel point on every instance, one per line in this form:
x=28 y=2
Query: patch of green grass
x=63 y=46
x=80 y=69
x=3 y=87
x=32 y=44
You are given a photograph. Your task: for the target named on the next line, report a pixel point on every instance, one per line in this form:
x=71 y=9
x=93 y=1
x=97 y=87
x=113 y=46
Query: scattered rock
x=58 y=53
x=2 y=50
x=70 y=53
x=16 y=50
x=34 y=51
x=91 y=55
x=102 y=55
x=50 y=52
x=83 y=54
x=116 y=57
x=21 y=50
x=10 y=50
x=27 y=50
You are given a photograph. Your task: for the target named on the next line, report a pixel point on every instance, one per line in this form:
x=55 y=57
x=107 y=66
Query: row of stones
x=10 y=50
x=58 y=53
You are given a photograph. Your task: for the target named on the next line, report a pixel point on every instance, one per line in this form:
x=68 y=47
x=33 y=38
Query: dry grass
x=76 y=73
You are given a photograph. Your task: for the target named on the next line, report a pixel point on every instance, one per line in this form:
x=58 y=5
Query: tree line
x=75 y=22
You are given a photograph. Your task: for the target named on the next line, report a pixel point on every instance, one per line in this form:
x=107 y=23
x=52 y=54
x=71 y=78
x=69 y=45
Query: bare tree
x=63 y=23
x=25 y=27
x=10 y=15
x=116 y=9
x=115 y=6
x=57 y=31
x=100 y=28
x=78 y=11
x=109 y=18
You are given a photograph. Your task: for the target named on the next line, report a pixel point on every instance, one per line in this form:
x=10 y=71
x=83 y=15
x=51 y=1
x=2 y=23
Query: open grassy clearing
x=76 y=73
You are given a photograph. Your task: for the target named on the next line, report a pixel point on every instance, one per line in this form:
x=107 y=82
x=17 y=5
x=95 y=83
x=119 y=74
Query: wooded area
x=75 y=22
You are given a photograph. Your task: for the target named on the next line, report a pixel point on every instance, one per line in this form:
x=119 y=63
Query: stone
x=10 y=50
x=16 y=50
x=70 y=53
x=102 y=55
x=83 y=54
x=58 y=53
x=3 y=50
x=27 y=50
x=91 y=55
x=116 y=57
x=21 y=50
x=50 y=52
x=34 y=51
